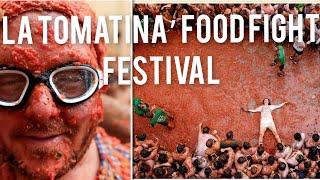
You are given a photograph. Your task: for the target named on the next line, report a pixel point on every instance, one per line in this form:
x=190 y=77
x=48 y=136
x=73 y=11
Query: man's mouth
x=42 y=139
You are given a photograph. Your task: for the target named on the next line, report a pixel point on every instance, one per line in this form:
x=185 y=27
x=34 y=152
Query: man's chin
x=44 y=162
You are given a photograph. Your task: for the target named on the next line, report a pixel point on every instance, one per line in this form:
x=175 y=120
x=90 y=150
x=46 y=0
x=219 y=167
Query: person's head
x=207 y=171
x=299 y=158
x=243 y=12
x=307 y=164
x=229 y=135
x=318 y=24
x=49 y=131
x=205 y=130
x=297 y=136
x=149 y=114
x=260 y=150
x=209 y=143
x=254 y=169
x=183 y=170
x=271 y=160
x=141 y=137
x=291 y=6
x=313 y=153
x=218 y=164
x=159 y=172
x=145 y=153
x=315 y=137
x=293 y=175
x=238 y=175
x=196 y=162
x=276 y=176
x=267 y=101
x=280 y=10
x=142 y=106
x=246 y=145
x=180 y=148
x=162 y=158
x=282 y=166
x=227 y=173
x=280 y=146
x=241 y=160
x=144 y=167
x=223 y=158
x=258 y=9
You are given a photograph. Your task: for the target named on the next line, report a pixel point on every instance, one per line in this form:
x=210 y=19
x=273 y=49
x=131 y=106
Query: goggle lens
x=12 y=86
x=73 y=83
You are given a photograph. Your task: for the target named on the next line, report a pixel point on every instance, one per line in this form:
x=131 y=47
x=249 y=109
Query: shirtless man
x=268 y=9
x=299 y=140
x=179 y=12
x=240 y=175
x=207 y=9
x=213 y=148
x=159 y=172
x=205 y=173
x=282 y=151
x=144 y=169
x=167 y=18
x=283 y=168
x=148 y=154
x=153 y=8
x=203 y=137
x=254 y=170
x=247 y=149
x=162 y=161
x=231 y=156
x=191 y=170
x=313 y=141
x=229 y=142
x=272 y=166
x=181 y=153
x=140 y=140
x=241 y=162
x=260 y=155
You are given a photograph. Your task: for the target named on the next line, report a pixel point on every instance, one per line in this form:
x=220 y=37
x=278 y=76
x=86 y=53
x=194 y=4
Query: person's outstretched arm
x=254 y=110
x=278 y=106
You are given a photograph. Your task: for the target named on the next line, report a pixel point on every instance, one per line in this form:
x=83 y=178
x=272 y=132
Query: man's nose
x=40 y=105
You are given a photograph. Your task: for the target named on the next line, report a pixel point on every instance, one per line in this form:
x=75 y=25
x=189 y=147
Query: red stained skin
x=245 y=79
x=64 y=136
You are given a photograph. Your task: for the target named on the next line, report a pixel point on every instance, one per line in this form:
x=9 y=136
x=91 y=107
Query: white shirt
x=299 y=46
x=298 y=144
x=292 y=159
x=283 y=154
x=202 y=140
x=266 y=116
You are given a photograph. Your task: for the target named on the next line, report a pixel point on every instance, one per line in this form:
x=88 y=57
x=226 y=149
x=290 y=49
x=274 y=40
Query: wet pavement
x=245 y=79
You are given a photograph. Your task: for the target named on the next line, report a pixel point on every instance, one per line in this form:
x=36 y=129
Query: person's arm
x=278 y=106
x=175 y=14
x=200 y=131
x=288 y=155
x=254 y=110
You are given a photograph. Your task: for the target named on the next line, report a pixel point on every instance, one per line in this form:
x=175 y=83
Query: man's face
x=42 y=138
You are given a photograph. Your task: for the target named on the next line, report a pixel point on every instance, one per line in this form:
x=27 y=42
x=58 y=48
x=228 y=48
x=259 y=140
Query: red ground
x=245 y=79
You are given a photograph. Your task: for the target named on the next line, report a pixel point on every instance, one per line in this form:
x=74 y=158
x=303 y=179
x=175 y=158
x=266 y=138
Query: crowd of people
x=174 y=12
x=215 y=157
